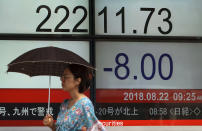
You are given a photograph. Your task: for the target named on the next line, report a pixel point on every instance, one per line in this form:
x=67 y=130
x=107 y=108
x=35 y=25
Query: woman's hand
x=48 y=121
x=83 y=128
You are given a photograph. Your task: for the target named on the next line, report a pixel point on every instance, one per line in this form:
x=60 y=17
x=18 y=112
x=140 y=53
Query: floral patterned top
x=79 y=115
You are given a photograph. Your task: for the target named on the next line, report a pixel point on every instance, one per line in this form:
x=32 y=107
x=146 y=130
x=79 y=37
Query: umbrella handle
x=48 y=111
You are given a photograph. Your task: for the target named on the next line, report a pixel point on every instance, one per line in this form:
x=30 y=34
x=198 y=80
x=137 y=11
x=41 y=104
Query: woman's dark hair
x=82 y=72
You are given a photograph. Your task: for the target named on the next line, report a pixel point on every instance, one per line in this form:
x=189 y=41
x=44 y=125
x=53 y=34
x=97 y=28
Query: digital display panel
x=153 y=18
x=44 y=16
x=148 y=81
x=25 y=98
x=137 y=83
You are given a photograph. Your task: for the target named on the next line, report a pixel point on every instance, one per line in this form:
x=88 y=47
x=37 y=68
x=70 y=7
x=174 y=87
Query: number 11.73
x=121 y=13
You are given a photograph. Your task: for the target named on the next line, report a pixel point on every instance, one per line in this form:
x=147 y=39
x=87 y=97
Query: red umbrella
x=46 y=61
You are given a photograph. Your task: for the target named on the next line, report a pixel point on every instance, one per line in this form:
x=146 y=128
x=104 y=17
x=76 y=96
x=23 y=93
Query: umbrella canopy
x=45 y=61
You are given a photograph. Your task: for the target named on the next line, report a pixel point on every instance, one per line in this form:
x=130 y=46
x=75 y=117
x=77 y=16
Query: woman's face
x=68 y=81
